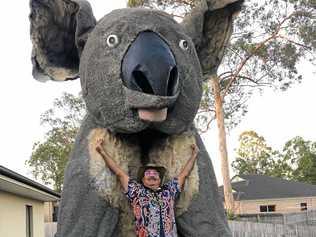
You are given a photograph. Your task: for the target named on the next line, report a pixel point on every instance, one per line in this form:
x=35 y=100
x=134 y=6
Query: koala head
x=138 y=68
x=139 y=63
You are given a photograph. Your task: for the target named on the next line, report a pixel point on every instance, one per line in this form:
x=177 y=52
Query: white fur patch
x=172 y=154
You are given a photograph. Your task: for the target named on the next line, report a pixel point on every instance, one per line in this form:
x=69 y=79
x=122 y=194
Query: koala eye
x=183 y=44
x=112 y=41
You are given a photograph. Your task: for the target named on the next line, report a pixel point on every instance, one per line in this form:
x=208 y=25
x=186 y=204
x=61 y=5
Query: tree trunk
x=228 y=194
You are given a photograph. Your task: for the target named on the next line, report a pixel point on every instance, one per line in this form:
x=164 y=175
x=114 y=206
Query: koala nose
x=149 y=66
x=156 y=82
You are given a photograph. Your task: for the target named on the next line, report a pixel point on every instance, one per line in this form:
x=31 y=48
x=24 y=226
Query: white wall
x=13 y=216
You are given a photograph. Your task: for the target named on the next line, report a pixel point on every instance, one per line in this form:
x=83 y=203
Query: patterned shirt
x=151 y=208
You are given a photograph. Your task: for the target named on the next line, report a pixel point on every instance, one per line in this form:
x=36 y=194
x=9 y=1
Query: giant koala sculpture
x=141 y=74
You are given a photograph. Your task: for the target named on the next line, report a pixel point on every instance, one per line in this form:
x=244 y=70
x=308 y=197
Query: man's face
x=151 y=179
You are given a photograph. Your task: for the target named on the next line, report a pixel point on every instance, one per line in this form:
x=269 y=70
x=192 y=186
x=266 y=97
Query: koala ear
x=210 y=26
x=59 y=30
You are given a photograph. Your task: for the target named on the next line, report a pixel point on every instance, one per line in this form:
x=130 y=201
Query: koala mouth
x=153 y=115
x=150 y=108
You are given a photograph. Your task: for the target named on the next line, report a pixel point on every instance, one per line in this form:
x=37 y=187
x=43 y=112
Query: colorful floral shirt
x=151 y=208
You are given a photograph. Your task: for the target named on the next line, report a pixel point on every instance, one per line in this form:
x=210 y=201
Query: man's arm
x=188 y=166
x=123 y=177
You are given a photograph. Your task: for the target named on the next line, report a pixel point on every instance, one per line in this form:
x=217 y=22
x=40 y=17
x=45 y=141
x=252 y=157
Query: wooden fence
x=252 y=229
x=50 y=229
x=244 y=229
x=298 y=218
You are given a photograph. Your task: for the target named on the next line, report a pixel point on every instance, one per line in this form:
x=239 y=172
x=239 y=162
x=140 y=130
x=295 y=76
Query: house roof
x=15 y=183
x=252 y=187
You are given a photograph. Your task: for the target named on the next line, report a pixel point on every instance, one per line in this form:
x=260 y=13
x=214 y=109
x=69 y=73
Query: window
x=29 y=221
x=55 y=213
x=271 y=208
x=267 y=208
x=303 y=206
x=263 y=208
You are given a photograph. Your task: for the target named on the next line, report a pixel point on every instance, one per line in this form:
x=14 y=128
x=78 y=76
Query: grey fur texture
x=67 y=43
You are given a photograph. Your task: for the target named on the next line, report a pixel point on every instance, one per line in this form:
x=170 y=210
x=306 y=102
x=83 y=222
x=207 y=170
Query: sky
x=278 y=116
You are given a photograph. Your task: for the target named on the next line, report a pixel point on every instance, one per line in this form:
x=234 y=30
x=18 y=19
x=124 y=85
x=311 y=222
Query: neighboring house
x=255 y=194
x=22 y=211
x=50 y=211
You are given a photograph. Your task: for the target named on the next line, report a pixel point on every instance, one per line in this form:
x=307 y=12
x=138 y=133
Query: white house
x=22 y=200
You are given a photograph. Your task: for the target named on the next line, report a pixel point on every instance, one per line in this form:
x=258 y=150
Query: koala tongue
x=153 y=115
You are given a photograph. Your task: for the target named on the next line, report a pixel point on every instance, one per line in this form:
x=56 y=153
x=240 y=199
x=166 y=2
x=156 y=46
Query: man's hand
x=100 y=149
x=99 y=146
x=195 y=150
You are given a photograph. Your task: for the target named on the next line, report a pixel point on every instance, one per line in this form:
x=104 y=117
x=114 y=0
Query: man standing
x=152 y=202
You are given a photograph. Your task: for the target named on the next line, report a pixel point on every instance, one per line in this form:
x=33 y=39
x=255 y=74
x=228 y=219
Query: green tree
x=296 y=161
x=255 y=156
x=301 y=154
x=49 y=157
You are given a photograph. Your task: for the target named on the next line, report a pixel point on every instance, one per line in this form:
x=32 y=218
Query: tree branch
x=293 y=42
x=258 y=46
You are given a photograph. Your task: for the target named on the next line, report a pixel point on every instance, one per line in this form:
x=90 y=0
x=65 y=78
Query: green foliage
x=135 y=3
x=254 y=156
x=302 y=155
x=49 y=157
x=296 y=161
x=231 y=216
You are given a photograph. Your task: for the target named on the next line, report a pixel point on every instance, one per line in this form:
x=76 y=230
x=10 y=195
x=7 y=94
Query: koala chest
x=172 y=154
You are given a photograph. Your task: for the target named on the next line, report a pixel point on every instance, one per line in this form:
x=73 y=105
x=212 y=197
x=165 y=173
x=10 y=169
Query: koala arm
x=188 y=166
x=116 y=169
